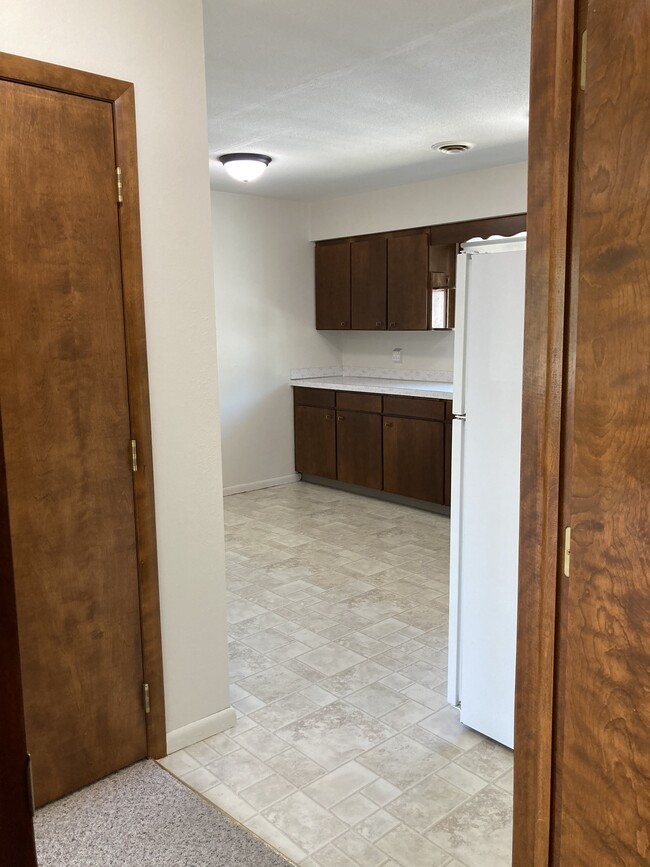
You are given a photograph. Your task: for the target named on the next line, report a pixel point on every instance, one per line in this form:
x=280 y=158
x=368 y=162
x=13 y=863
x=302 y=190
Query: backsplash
x=374 y=372
x=421 y=351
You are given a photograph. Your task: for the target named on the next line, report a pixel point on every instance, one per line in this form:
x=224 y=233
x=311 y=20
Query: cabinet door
x=409 y=302
x=414 y=458
x=368 y=284
x=315 y=438
x=333 y=286
x=358 y=442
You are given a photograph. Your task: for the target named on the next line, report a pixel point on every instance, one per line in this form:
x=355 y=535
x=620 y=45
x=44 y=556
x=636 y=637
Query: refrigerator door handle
x=459 y=417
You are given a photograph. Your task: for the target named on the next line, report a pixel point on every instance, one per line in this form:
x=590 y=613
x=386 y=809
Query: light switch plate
x=397 y=356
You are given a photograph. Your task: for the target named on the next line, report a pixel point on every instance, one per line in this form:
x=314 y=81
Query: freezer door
x=453 y=666
x=462 y=266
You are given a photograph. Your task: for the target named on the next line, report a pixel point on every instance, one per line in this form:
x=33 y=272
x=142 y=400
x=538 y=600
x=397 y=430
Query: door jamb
x=120 y=94
x=552 y=111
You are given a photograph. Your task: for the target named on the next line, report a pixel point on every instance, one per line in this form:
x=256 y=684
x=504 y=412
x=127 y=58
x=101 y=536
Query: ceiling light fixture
x=452 y=147
x=244 y=167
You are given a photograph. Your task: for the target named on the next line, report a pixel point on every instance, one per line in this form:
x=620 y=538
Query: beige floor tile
x=359 y=851
x=335 y=734
x=381 y=792
x=267 y=791
x=376 y=700
x=331 y=659
x=339 y=784
x=230 y=802
x=461 y=778
x=179 y=763
x=261 y=743
x=402 y=761
x=376 y=825
x=406 y=715
x=203 y=753
x=296 y=767
x=487 y=759
x=304 y=821
x=283 y=844
x=355 y=678
x=446 y=724
x=200 y=779
x=274 y=683
x=410 y=849
x=354 y=809
x=284 y=711
x=330 y=856
x=426 y=803
x=239 y=770
x=478 y=833
x=318 y=695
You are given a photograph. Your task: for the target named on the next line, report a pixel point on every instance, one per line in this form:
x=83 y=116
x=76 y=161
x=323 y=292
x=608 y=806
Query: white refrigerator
x=486 y=434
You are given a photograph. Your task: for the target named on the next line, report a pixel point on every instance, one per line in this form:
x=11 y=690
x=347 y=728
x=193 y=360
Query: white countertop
x=376 y=385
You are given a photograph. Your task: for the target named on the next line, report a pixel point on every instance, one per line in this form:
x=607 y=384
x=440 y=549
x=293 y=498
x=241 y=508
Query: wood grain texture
x=457 y=233
x=359 y=401
x=313 y=396
x=369 y=283
x=333 y=286
x=605 y=652
x=315 y=441
x=551 y=107
x=140 y=419
x=51 y=76
x=416 y=407
x=16 y=830
x=64 y=391
x=409 y=302
x=358 y=448
x=414 y=458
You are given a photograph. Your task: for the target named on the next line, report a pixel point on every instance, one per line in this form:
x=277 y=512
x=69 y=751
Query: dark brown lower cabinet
x=414 y=464
x=315 y=438
x=358 y=451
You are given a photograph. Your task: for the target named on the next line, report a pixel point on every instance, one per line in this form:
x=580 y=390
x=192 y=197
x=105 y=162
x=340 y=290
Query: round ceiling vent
x=452 y=147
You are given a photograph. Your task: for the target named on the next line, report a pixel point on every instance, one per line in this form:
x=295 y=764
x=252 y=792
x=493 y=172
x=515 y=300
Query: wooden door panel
x=408 y=282
x=368 y=284
x=64 y=391
x=414 y=458
x=358 y=448
x=315 y=440
x=333 y=286
x=602 y=783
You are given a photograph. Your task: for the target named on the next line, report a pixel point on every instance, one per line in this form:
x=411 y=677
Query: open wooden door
x=16 y=831
x=582 y=750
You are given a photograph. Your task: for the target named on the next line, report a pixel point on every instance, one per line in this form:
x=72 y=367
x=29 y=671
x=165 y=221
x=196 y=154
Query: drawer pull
x=388 y=424
x=343 y=324
x=393 y=325
x=328 y=416
x=378 y=324
x=341 y=418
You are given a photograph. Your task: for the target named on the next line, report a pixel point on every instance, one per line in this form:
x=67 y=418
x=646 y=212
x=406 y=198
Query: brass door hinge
x=134 y=456
x=583 y=61
x=567 y=550
x=145 y=698
x=118 y=181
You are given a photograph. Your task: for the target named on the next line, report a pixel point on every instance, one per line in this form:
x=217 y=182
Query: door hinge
x=567 y=550
x=30 y=785
x=145 y=698
x=118 y=181
x=134 y=456
x=583 y=61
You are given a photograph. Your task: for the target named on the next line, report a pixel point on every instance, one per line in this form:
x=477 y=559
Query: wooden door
x=582 y=745
x=358 y=448
x=602 y=781
x=414 y=458
x=333 y=286
x=63 y=385
x=16 y=830
x=315 y=440
x=368 y=283
x=409 y=304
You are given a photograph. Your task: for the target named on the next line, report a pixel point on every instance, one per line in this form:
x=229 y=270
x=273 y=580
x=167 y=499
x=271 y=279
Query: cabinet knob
x=341 y=418
x=343 y=324
x=388 y=424
x=378 y=324
x=328 y=416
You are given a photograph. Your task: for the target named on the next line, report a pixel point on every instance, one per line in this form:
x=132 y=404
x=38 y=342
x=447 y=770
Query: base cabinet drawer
x=315 y=441
x=414 y=458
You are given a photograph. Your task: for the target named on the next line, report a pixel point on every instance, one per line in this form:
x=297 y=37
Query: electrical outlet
x=397 y=356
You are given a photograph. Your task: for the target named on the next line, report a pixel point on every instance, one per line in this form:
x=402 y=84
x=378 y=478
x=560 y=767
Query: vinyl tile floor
x=345 y=752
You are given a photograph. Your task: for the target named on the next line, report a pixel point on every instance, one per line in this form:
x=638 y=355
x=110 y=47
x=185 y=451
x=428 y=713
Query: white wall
x=159 y=46
x=264 y=283
x=486 y=193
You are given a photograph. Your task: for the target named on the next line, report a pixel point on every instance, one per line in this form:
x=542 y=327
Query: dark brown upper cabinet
x=333 y=286
x=368 y=283
x=409 y=301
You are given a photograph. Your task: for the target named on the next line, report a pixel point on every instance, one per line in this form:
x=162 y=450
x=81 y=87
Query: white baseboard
x=201 y=729
x=264 y=483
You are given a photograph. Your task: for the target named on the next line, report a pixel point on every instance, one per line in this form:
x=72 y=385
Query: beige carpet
x=144 y=817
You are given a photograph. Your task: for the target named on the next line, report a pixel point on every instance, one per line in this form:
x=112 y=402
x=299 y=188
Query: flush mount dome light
x=452 y=147
x=244 y=167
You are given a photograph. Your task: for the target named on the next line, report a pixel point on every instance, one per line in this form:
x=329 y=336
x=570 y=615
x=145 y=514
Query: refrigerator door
x=458 y=402
x=488 y=520
x=453 y=666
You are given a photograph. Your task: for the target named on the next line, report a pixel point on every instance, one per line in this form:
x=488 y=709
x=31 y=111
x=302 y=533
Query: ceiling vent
x=452 y=147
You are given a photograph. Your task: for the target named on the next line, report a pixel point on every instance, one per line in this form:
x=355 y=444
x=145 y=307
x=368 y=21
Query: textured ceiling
x=349 y=95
